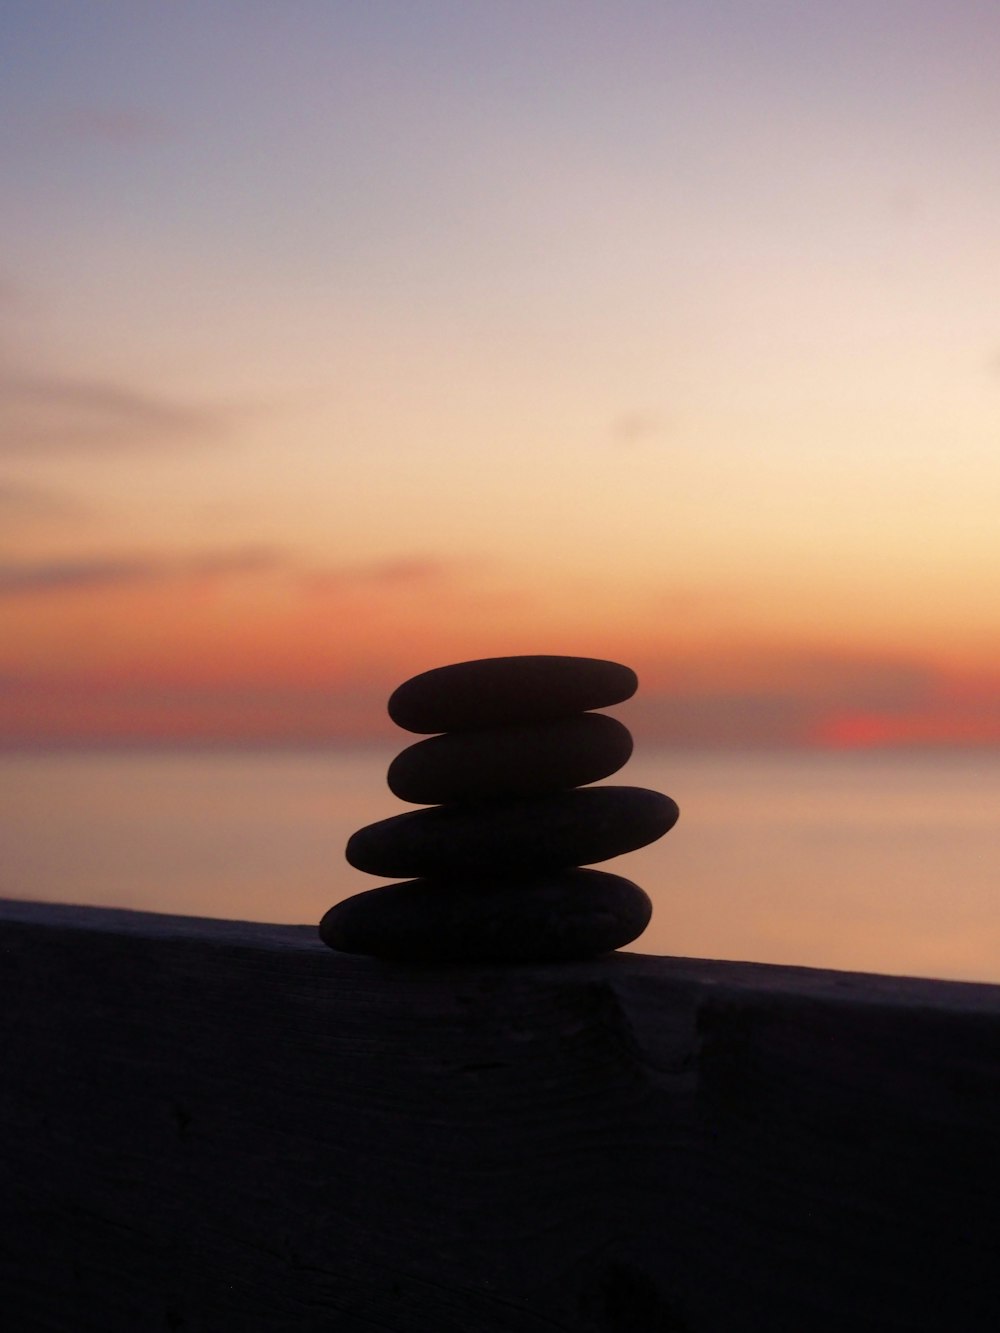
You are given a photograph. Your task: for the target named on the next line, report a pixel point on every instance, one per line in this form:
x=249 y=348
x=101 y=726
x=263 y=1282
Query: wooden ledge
x=224 y=1125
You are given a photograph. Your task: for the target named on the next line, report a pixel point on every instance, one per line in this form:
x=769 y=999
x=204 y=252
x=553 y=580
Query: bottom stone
x=568 y=914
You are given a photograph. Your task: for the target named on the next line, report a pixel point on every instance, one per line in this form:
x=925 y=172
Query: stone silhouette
x=493 y=864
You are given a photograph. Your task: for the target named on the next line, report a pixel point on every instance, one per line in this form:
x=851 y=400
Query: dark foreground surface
x=223 y=1126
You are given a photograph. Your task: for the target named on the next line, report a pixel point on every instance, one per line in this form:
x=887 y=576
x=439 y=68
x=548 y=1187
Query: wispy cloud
x=638 y=427
x=23 y=502
x=118 y=126
x=53 y=412
x=87 y=573
x=397 y=571
x=11 y=293
x=255 y=559
x=58 y=575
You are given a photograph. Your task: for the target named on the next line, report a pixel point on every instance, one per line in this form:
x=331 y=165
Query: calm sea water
x=876 y=862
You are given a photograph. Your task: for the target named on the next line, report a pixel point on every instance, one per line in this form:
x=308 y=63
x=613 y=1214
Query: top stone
x=497 y=691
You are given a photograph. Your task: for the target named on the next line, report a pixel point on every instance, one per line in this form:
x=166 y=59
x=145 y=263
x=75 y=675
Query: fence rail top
x=280 y=939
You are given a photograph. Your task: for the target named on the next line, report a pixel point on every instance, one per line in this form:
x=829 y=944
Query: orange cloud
x=248 y=644
x=216 y=670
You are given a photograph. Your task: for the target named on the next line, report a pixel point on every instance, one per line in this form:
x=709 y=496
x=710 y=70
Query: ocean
x=873 y=861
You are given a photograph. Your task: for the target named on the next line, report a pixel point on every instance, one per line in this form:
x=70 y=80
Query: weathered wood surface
x=221 y=1126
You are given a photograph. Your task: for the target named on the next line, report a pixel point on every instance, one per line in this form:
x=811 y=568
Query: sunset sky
x=341 y=340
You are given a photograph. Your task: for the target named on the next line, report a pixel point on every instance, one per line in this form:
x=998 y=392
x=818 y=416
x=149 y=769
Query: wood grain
x=225 y=1126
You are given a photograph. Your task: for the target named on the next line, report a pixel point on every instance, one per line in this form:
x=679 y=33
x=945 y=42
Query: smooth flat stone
x=499 y=838
x=495 y=691
x=571 y=914
x=510 y=761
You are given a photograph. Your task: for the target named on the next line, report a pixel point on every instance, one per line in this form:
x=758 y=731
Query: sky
x=339 y=341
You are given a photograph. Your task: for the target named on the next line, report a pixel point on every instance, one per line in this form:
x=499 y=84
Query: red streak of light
x=858 y=731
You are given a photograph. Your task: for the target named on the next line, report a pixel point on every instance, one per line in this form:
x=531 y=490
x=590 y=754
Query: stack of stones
x=492 y=866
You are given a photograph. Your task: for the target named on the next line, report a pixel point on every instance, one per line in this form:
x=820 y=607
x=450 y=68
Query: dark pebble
x=510 y=761
x=499 y=838
x=495 y=691
x=572 y=914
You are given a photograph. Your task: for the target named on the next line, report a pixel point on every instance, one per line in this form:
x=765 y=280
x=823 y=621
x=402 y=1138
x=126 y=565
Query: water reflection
x=878 y=862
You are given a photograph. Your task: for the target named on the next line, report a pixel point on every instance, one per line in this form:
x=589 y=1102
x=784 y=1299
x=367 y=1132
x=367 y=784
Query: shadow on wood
x=224 y=1126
